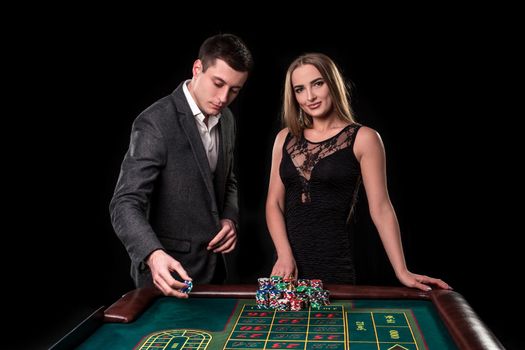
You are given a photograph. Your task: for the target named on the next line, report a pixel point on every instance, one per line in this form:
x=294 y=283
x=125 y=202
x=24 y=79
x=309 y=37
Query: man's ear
x=197 y=67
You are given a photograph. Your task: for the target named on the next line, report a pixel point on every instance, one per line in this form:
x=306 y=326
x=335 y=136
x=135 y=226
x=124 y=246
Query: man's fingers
x=226 y=246
x=162 y=285
x=218 y=237
x=226 y=238
x=177 y=267
x=232 y=247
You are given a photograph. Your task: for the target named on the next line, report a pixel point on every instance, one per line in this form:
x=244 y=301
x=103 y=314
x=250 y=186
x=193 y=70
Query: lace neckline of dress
x=328 y=139
x=305 y=154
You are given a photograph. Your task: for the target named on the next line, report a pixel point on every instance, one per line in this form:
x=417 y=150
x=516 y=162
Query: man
x=175 y=204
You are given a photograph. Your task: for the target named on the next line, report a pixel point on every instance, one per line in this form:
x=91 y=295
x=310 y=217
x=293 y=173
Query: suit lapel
x=220 y=170
x=189 y=126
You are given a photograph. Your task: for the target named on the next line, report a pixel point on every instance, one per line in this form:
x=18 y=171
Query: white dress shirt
x=209 y=133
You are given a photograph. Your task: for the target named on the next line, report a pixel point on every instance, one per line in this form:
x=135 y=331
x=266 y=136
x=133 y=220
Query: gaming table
x=226 y=317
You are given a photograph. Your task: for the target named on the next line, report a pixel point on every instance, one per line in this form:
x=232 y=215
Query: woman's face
x=311 y=91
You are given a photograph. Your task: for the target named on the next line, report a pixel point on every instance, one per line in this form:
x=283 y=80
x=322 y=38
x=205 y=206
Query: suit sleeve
x=130 y=203
x=231 y=201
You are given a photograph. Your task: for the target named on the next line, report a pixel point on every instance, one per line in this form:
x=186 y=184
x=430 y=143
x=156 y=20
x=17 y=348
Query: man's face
x=215 y=88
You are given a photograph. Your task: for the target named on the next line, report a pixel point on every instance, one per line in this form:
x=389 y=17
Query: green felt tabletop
x=222 y=323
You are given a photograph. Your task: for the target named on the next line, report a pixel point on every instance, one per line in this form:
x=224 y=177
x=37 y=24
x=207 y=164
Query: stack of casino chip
x=287 y=294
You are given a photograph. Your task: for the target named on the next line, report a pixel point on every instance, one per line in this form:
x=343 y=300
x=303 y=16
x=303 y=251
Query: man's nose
x=223 y=95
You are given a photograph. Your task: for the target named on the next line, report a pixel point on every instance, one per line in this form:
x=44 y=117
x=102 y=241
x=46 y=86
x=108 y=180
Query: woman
x=318 y=163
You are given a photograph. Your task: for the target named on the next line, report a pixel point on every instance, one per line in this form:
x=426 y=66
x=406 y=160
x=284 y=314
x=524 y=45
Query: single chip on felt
x=188 y=288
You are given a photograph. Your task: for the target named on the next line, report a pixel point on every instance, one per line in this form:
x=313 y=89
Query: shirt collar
x=194 y=108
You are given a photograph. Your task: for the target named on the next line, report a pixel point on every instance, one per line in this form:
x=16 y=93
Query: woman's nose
x=310 y=95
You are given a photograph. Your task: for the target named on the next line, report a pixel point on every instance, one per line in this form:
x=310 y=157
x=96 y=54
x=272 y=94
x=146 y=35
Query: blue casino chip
x=188 y=288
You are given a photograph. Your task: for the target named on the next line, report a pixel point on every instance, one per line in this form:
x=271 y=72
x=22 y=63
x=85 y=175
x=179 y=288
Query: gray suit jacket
x=166 y=196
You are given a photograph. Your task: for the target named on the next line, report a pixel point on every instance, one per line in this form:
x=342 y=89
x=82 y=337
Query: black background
x=436 y=86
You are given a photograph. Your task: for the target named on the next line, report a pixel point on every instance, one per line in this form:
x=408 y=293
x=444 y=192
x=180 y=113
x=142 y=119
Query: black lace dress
x=321 y=180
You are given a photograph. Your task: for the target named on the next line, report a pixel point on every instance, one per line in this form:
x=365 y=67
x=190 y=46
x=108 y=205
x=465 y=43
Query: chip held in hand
x=188 y=288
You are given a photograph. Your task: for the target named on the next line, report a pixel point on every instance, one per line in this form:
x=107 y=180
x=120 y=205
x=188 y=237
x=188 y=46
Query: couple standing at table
x=175 y=203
